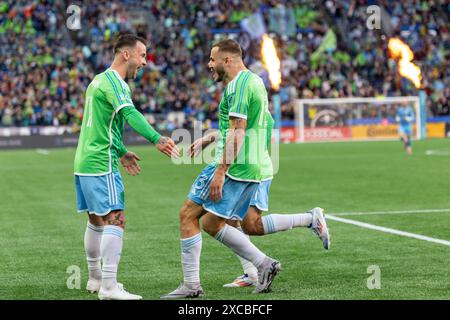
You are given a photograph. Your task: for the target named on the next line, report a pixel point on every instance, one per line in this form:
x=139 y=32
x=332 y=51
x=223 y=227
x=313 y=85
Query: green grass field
x=42 y=235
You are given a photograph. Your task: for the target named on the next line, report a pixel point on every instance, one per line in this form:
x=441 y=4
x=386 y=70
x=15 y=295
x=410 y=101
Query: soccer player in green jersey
x=253 y=222
x=224 y=189
x=98 y=184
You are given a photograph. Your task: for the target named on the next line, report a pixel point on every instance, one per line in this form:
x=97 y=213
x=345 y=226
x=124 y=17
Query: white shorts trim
x=233 y=217
x=256 y=206
x=98 y=214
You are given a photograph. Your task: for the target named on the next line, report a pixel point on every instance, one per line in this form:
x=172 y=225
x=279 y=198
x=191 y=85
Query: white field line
x=388 y=230
x=45 y=152
x=438 y=152
x=390 y=212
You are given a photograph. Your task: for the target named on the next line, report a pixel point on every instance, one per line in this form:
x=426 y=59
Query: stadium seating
x=45 y=67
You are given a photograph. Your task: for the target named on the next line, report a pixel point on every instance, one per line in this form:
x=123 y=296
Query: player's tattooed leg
x=116 y=218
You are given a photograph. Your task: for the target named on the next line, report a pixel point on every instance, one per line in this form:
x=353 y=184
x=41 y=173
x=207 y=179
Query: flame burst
x=401 y=51
x=271 y=61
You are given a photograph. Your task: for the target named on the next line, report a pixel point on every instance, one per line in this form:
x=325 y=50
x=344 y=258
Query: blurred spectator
x=45 y=68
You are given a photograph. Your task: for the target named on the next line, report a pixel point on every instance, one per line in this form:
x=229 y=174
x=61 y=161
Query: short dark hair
x=127 y=40
x=229 y=45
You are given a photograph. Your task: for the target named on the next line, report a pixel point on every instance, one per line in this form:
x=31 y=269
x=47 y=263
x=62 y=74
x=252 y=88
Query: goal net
x=344 y=119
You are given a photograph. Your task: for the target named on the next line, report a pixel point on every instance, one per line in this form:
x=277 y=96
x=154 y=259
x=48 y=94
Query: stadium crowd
x=45 y=67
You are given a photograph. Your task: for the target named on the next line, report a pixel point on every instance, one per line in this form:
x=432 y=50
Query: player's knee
x=210 y=228
x=252 y=223
x=211 y=225
x=115 y=218
x=233 y=223
x=185 y=216
x=95 y=220
x=253 y=227
x=249 y=229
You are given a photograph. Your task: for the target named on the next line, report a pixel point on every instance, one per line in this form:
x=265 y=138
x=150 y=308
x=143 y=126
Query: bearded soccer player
x=98 y=183
x=224 y=189
x=254 y=223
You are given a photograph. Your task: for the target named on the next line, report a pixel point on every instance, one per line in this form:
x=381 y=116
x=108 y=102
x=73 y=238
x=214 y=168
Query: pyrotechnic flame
x=271 y=61
x=401 y=51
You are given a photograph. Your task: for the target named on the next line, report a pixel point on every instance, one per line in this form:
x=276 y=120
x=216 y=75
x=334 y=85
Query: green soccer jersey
x=245 y=97
x=100 y=144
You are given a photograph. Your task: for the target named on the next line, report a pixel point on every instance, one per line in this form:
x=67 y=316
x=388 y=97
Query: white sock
x=190 y=258
x=240 y=244
x=249 y=268
x=111 y=250
x=280 y=222
x=92 y=241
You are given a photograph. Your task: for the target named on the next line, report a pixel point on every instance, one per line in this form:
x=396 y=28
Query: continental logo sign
x=389 y=131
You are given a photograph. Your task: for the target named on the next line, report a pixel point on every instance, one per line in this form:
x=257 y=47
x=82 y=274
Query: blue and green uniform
x=261 y=198
x=108 y=105
x=244 y=97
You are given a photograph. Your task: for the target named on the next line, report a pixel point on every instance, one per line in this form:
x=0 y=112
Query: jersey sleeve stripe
x=123 y=106
x=241 y=92
x=238 y=115
x=118 y=83
x=237 y=79
x=231 y=87
x=125 y=94
x=114 y=87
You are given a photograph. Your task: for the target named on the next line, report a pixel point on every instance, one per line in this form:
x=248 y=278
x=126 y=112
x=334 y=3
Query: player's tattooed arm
x=168 y=147
x=163 y=140
x=198 y=145
x=211 y=137
x=234 y=141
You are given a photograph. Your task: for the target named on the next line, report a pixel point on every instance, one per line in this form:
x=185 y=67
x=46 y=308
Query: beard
x=220 y=73
x=132 y=72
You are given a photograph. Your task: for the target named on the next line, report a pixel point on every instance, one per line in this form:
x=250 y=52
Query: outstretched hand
x=168 y=147
x=196 y=147
x=129 y=163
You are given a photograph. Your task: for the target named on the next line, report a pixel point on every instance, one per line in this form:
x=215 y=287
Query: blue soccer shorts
x=261 y=198
x=100 y=195
x=405 y=130
x=236 y=195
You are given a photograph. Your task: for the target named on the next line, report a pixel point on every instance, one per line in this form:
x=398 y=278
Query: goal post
x=352 y=119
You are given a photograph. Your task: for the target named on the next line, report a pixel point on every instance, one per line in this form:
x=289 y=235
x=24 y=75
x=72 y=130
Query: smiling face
x=135 y=58
x=216 y=64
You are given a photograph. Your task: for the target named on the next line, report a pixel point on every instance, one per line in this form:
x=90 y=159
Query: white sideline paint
x=390 y=212
x=43 y=151
x=388 y=230
x=439 y=152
